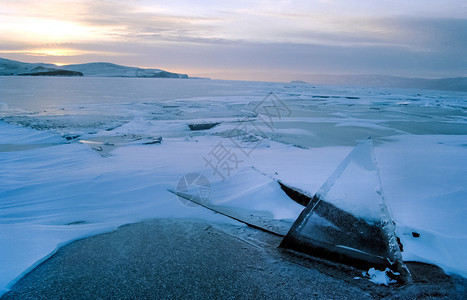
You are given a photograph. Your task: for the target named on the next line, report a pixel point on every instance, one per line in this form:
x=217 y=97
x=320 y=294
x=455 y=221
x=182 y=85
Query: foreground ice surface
x=54 y=190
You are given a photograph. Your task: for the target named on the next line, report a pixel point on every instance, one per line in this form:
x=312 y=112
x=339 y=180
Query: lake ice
x=75 y=159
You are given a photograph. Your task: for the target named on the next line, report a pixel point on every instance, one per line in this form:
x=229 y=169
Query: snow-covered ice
x=55 y=189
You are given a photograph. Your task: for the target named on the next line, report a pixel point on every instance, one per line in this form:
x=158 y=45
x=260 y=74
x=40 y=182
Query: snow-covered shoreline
x=55 y=189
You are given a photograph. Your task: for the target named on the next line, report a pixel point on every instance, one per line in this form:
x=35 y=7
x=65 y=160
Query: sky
x=279 y=40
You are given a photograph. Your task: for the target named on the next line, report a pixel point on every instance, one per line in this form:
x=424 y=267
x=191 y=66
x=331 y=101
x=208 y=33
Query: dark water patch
x=70 y=137
x=202 y=126
x=152 y=141
x=77 y=223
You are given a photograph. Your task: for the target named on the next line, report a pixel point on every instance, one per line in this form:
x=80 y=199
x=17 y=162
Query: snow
x=379 y=277
x=424 y=177
x=113 y=70
x=54 y=190
x=11 y=67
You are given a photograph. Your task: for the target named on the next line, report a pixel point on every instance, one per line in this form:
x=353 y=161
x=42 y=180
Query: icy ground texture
x=74 y=159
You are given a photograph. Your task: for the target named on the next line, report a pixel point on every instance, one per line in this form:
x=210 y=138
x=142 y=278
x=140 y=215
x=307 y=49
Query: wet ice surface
x=75 y=159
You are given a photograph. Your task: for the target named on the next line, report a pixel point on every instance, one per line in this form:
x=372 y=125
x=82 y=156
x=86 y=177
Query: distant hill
x=103 y=69
x=451 y=84
x=54 y=73
x=100 y=69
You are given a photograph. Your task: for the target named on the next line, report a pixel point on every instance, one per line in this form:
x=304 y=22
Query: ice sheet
x=59 y=189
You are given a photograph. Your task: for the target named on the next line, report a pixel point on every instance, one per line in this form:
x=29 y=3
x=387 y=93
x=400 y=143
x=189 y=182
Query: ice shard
x=348 y=221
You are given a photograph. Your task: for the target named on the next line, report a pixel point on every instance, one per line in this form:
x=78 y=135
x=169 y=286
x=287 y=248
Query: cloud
x=225 y=37
x=432 y=33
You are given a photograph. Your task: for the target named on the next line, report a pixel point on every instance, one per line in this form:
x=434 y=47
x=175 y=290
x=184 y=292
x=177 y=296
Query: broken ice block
x=347 y=220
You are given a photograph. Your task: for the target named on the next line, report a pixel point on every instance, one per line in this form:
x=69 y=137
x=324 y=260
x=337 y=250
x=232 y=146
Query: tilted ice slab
x=348 y=220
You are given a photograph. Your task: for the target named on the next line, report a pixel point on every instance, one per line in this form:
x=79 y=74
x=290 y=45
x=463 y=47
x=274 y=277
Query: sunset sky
x=264 y=40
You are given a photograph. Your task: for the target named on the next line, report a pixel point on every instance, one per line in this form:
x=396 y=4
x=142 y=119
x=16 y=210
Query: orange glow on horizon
x=47 y=52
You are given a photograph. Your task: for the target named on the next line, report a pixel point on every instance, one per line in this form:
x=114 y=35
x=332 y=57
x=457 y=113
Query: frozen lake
x=79 y=157
x=332 y=115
